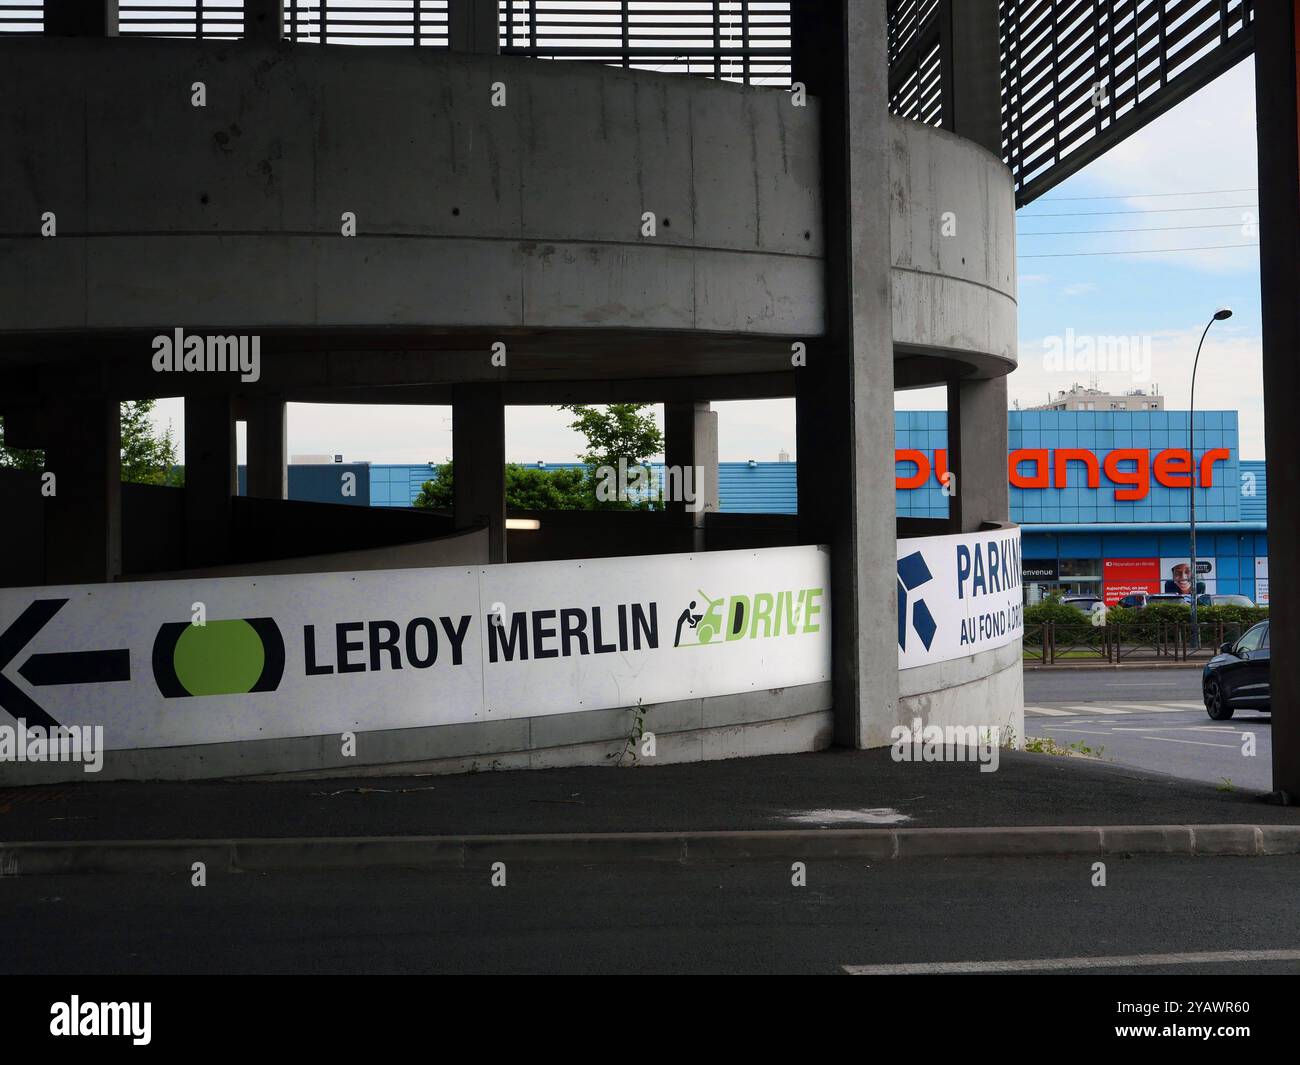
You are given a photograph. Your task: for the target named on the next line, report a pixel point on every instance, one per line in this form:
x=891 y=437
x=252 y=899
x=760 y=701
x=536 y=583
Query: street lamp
x=1219 y=316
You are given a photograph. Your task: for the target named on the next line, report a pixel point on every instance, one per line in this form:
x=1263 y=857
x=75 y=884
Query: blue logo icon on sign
x=912 y=573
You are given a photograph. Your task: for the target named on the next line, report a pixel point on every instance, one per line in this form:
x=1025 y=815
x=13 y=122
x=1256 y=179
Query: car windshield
x=1252 y=639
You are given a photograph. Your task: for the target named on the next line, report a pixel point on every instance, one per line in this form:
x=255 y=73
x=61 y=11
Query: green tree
x=624 y=431
x=527 y=488
x=17 y=458
x=619 y=431
x=147 y=457
x=437 y=493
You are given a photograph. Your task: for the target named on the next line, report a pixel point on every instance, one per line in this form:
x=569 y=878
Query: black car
x=1237 y=677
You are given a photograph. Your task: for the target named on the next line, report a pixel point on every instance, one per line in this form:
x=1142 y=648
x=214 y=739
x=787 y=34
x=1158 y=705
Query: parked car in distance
x=1085 y=604
x=1237 y=677
x=1223 y=600
x=1169 y=597
x=1134 y=600
x=1142 y=600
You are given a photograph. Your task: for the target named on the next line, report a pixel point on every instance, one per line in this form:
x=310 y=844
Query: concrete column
x=472 y=26
x=972 y=102
x=845 y=394
x=210 y=479
x=977 y=410
x=268 y=448
x=977 y=453
x=81 y=18
x=691 y=442
x=83 y=516
x=478 y=454
x=1276 y=63
x=264 y=21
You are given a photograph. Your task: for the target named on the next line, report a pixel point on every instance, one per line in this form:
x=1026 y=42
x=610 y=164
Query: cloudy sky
x=1189 y=180
x=1137 y=246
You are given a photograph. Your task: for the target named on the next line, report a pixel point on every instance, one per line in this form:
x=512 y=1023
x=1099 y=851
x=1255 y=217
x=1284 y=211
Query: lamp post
x=1219 y=316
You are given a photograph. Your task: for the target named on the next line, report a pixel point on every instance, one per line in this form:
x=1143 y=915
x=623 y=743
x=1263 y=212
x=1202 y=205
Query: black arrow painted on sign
x=67 y=667
x=76 y=667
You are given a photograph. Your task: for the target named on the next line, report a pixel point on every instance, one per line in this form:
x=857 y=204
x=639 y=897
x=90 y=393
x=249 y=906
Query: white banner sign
x=169 y=663
x=958 y=595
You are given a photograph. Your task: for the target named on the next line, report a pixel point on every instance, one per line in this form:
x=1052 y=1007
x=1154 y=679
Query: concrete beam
x=478 y=449
x=210 y=479
x=83 y=512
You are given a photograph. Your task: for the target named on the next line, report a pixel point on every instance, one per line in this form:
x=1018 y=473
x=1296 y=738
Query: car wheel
x=1215 y=704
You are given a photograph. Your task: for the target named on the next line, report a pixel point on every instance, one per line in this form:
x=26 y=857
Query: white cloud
x=1228 y=378
x=1215 y=128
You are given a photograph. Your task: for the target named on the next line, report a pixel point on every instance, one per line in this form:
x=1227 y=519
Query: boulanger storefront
x=1102 y=498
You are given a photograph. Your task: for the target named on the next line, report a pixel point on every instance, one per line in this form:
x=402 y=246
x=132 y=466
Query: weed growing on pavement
x=1047 y=745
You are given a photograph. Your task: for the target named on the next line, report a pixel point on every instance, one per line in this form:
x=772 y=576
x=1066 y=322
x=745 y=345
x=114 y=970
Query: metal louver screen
x=1078 y=76
x=916 y=64
x=736 y=41
x=367 y=22
x=18 y=17
x=181 y=18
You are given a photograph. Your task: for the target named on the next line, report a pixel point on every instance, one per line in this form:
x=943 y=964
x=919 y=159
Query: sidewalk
x=834 y=802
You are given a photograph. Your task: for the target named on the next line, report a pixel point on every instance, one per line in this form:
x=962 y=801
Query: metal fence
x=1068 y=643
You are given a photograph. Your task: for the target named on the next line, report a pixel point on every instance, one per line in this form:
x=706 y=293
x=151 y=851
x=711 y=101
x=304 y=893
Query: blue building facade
x=1102 y=496
x=743 y=487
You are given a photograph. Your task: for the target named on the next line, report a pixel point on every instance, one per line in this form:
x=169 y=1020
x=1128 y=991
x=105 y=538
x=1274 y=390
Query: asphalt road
x=644 y=918
x=1150 y=719
x=1055 y=685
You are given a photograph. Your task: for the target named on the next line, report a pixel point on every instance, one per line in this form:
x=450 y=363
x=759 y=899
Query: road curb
x=460 y=852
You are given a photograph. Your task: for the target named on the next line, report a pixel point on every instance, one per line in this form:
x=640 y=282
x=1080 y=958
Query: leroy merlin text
x=560 y=632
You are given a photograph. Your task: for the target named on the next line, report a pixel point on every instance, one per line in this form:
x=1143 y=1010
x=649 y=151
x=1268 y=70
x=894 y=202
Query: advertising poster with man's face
x=1176 y=576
